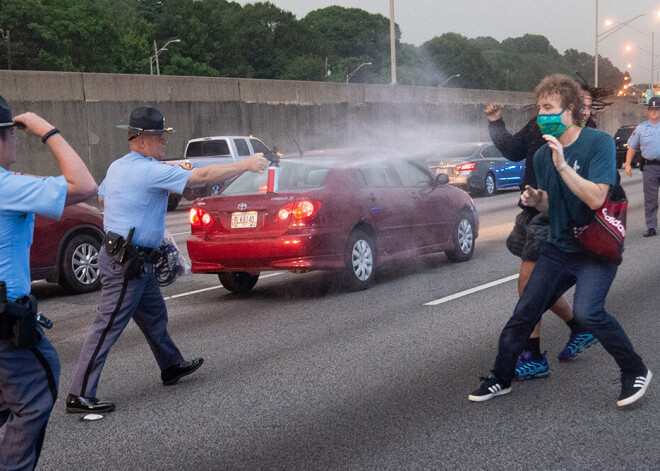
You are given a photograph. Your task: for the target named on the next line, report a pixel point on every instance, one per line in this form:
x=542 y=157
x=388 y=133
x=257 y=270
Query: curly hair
x=567 y=89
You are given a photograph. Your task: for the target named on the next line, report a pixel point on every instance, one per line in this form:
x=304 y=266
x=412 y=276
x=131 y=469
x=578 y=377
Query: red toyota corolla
x=349 y=210
x=67 y=251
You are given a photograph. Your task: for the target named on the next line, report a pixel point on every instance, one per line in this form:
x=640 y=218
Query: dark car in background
x=67 y=251
x=621 y=137
x=476 y=167
x=336 y=210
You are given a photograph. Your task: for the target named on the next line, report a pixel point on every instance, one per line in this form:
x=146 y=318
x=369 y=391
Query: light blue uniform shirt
x=135 y=192
x=646 y=137
x=21 y=196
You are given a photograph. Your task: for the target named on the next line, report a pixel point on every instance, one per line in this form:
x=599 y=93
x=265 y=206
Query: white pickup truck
x=205 y=151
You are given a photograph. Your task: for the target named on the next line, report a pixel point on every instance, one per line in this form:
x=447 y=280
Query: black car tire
x=173 y=201
x=463 y=236
x=490 y=185
x=238 y=282
x=79 y=265
x=360 y=260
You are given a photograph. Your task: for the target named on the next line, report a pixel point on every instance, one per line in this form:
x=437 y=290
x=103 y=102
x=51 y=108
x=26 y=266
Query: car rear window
x=207 y=148
x=490 y=151
x=242 y=147
x=294 y=176
x=623 y=133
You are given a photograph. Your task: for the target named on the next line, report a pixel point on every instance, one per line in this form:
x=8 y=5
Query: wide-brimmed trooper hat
x=6 y=119
x=146 y=120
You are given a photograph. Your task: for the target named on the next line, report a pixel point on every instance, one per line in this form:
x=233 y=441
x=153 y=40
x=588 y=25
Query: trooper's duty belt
x=132 y=257
x=651 y=162
x=19 y=319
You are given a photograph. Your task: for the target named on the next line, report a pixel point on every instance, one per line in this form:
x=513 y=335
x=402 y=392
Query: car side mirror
x=441 y=179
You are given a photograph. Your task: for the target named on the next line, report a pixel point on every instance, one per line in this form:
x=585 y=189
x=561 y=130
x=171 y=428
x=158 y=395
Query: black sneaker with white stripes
x=490 y=388
x=633 y=388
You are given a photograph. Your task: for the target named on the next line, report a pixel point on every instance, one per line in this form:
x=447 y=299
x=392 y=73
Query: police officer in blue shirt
x=29 y=366
x=647 y=136
x=135 y=193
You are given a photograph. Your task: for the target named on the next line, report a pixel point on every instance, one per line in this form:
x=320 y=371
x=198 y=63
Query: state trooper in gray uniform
x=647 y=137
x=135 y=192
x=29 y=366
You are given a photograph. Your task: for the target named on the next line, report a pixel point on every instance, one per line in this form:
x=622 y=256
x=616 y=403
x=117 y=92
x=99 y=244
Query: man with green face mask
x=530 y=232
x=574 y=171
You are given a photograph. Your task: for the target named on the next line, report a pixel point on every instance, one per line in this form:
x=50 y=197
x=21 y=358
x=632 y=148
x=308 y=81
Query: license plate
x=242 y=220
x=442 y=170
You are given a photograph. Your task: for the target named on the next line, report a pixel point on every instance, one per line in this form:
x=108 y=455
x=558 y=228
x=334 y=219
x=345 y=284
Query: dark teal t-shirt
x=592 y=156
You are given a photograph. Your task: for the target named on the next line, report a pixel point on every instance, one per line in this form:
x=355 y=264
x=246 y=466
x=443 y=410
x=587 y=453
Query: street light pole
x=392 y=43
x=445 y=82
x=596 y=55
x=5 y=36
x=348 y=77
x=157 y=53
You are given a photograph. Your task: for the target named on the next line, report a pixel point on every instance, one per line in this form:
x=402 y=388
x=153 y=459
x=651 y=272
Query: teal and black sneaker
x=528 y=368
x=576 y=343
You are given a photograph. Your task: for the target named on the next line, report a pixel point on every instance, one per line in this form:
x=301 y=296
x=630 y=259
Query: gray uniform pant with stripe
x=29 y=379
x=122 y=300
x=651 y=183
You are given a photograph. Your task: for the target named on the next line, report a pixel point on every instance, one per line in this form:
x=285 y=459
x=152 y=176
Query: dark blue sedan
x=476 y=167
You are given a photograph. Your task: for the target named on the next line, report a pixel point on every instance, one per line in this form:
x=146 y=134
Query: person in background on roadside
x=530 y=232
x=29 y=366
x=647 y=137
x=574 y=170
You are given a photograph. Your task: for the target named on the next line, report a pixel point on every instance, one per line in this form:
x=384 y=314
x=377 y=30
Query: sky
x=566 y=24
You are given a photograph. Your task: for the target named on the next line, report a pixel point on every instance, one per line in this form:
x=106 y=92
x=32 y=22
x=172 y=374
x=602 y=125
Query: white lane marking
x=180 y=234
x=190 y=293
x=471 y=290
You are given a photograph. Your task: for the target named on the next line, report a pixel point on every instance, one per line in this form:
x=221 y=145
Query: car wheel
x=173 y=201
x=238 y=282
x=79 y=264
x=360 y=260
x=463 y=239
x=489 y=185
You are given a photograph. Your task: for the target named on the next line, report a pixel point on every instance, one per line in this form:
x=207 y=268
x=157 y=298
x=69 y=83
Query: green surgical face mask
x=551 y=124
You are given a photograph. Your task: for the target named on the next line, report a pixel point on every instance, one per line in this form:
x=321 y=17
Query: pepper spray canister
x=272 y=184
x=273 y=178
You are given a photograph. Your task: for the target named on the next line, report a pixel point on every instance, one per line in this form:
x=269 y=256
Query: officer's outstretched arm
x=221 y=172
x=80 y=183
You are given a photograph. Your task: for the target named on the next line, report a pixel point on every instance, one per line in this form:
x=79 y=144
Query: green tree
x=453 y=54
x=349 y=37
x=179 y=65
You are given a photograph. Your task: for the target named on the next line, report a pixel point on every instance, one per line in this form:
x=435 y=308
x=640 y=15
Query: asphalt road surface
x=304 y=375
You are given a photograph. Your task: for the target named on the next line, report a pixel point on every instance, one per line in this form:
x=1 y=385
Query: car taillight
x=465 y=167
x=199 y=217
x=298 y=211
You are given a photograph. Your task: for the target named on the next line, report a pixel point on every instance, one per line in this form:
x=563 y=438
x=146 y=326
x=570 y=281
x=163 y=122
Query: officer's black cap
x=6 y=119
x=654 y=102
x=146 y=120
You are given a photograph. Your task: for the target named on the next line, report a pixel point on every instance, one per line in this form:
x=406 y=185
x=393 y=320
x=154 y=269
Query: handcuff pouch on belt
x=131 y=257
x=18 y=320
